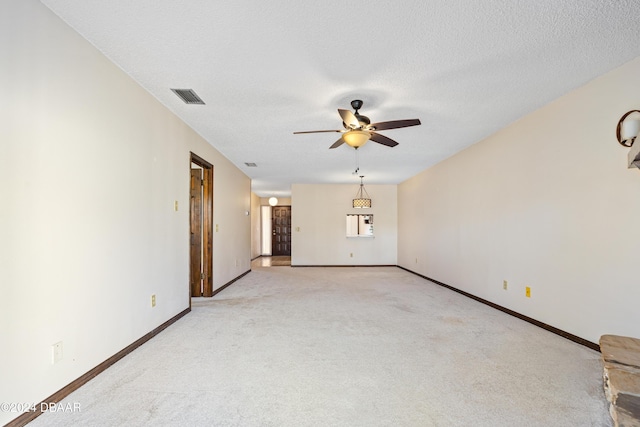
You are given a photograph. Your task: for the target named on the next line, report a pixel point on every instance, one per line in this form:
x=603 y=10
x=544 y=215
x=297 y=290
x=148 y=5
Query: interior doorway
x=281 y=231
x=200 y=227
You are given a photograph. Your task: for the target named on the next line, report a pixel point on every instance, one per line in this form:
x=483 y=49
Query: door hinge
x=202 y=276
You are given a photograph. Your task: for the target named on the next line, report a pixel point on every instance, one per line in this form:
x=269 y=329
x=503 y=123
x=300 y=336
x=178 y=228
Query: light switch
x=57 y=352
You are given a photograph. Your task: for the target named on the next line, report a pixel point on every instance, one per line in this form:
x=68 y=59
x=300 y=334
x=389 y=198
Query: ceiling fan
x=358 y=129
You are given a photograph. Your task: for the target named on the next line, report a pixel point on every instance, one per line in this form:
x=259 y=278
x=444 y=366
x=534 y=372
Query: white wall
x=548 y=203
x=320 y=213
x=90 y=168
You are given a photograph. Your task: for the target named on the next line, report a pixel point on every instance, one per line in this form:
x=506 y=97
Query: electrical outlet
x=351 y=255
x=153 y=300
x=175 y=206
x=505 y=285
x=416 y=260
x=217 y=228
x=527 y=292
x=56 y=353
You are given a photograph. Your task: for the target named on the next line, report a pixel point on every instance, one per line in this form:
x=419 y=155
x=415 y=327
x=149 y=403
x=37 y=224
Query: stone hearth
x=621 y=358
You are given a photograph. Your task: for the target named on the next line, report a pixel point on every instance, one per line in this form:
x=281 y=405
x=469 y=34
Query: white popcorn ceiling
x=268 y=68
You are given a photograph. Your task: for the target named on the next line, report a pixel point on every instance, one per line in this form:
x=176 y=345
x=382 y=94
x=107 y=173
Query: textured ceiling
x=268 y=68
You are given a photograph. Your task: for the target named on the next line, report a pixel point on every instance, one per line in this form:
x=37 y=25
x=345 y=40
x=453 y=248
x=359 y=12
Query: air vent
x=188 y=96
x=251 y=164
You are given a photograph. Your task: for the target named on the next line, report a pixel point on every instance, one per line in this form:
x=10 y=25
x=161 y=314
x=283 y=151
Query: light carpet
x=365 y=346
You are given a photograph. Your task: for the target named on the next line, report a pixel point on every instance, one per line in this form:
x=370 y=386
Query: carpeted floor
x=345 y=347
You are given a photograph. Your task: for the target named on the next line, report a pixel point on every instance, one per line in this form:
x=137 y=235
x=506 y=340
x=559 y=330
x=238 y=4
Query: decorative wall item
x=627 y=132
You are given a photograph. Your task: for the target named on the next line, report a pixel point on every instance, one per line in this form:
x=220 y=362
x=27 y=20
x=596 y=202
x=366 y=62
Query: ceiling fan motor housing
x=363 y=120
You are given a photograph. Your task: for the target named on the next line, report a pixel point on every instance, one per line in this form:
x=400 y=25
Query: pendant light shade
x=362 y=199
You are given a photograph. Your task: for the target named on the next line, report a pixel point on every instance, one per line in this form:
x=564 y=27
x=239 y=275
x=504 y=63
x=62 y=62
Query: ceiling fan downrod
x=356 y=104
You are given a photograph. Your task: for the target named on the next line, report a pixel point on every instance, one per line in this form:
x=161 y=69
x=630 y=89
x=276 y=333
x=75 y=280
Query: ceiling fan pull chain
x=357 y=162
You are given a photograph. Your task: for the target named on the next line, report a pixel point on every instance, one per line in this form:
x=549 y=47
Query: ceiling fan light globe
x=356 y=138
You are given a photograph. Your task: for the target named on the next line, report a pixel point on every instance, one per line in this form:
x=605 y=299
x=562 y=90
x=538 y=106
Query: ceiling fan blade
x=381 y=139
x=395 y=124
x=317 y=131
x=349 y=118
x=338 y=143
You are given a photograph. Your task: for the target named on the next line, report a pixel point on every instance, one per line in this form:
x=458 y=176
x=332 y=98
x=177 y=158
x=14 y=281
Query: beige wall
x=91 y=166
x=282 y=201
x=319 y=211
x=255 y=226
x=548 y=203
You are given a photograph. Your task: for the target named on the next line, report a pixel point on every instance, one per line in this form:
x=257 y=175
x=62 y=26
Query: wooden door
x=281 y=231
x=195 y=269
x=201 y=228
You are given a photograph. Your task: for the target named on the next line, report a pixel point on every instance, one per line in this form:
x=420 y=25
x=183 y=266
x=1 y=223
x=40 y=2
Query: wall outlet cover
x=57 y=352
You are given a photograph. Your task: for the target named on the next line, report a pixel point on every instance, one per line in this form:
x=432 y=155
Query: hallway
x=271 y=261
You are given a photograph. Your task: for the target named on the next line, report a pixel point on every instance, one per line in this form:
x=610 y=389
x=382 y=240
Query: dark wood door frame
x=205 y=256
x=195 y=231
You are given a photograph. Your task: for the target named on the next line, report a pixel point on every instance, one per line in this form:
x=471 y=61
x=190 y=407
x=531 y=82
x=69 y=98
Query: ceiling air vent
x=250 y=164
x=188 y=96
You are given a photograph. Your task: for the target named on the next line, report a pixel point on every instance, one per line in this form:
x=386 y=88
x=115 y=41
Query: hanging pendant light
x=360 y=200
